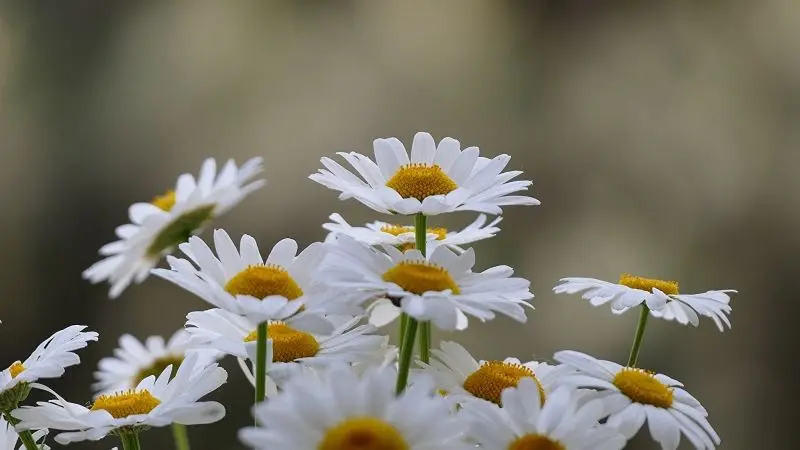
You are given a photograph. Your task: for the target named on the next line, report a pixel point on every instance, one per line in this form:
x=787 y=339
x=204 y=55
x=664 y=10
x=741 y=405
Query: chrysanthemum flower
x=563 y=422
x=49 y=360
x=241 y=282
x=463 y=379
x=632 y=395
x=9 y=437
x=134 y=361
x=155 y=402
x=660 y=296
x=338 y=409
x=432 y=289
x=157 y=227
x=433 y=180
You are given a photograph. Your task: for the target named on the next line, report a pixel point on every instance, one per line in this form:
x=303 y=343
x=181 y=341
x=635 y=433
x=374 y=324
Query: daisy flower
x=338 y=409
x=9 y=437
x=563 y=422
x=236 y=335
x=157 y=227
x=433 y=180
x=434 y=289
x=403 y=237
x=242 y=282
x=660 y=296
x=462 y=378
x=134 y=361
x=49 y=360
x=632 y=395
x=154 y=402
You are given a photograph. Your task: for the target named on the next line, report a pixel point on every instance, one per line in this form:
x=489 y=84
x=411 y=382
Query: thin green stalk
x=181 y=436
x=421 y=244
x=406 y=354
x=261 y=363
x=403 y=325
x=425 y=342
x=130 y=441
x=637 y=338
x=25 y=436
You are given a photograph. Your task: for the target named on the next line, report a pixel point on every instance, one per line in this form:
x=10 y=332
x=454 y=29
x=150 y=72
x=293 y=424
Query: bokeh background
x=662 y=137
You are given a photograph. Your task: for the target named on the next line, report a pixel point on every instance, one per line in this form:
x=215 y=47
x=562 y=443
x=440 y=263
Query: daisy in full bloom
x=134 y=361
x=433 y=180
x=432 y=289
x=49 y=360
x=464 y=379
x=154 y=402
x=563 y=422
x=236 y=335
x=660 y=296
x=403 y=237
x=157 y=227
x=632 y=395
x=242 y=282
x=338 y=409
x=9 y=437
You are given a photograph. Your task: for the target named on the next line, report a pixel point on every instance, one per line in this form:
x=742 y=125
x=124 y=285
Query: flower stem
x=637 y=339
x=181 y=436
x=425 y=342
x=406 y=354
x=403 y=325
x=421 y=244
x=25 y=436
x=130 y=441
x=261 y=363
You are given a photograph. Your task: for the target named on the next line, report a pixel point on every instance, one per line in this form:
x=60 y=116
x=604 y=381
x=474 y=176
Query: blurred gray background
x=662 y=138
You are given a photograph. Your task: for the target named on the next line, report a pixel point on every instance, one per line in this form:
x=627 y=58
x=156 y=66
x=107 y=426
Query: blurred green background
x=662 y=137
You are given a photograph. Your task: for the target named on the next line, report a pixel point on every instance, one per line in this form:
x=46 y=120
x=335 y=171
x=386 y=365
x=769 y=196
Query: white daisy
x=235 y=335
x=9 y=437
x=462 y=378
x=383 y=311
x=157 y=227
x=155 y=402
x=563 y=422
x=338 y=409
x=134 y=360
x=632 y=395
x=403 y=237
x=434 y=180
x=434 y=289
x=241 y=282
x=661 y=297
x=49 y=360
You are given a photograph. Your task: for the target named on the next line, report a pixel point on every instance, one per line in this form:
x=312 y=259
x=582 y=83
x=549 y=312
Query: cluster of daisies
x=304 y=326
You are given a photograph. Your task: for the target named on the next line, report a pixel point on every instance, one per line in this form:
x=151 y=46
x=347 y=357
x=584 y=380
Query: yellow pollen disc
x=128 y=403
x=489 y=381
x=165 y=201
x=420 y=180
x=158 y=366
x=363 y=433
x=535 y=442
x=420 y=277
x=261 y=281
x=647 y=284
x=288 y=344
x=16 y=369
x=642 y=386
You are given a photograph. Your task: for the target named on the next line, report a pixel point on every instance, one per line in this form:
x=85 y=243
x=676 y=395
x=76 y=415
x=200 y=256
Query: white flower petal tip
x=432 y=179
x=661 y=298
x=158 y=227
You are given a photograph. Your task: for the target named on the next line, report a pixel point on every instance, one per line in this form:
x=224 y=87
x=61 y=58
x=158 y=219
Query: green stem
x=130 y=441
x=406 y=354
x=637 y=339
x=421 y=244
x=261 y=363
x=25 y=436
x=181 y=436
x=403 y=325
x=425 y=342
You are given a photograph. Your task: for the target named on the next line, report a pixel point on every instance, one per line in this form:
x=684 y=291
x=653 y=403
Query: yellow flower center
x=535 y=442
x=165 y=201
x=642 y=386
x=647 y=284
x=261 y=281
x=288 y=344
x=420 y=277
x=396 y=230
x=128 y=403
x=180 y=230
x=492 y=377
x=16 y=369
x=420 y=180
x=363 y=433
x=158 y=366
